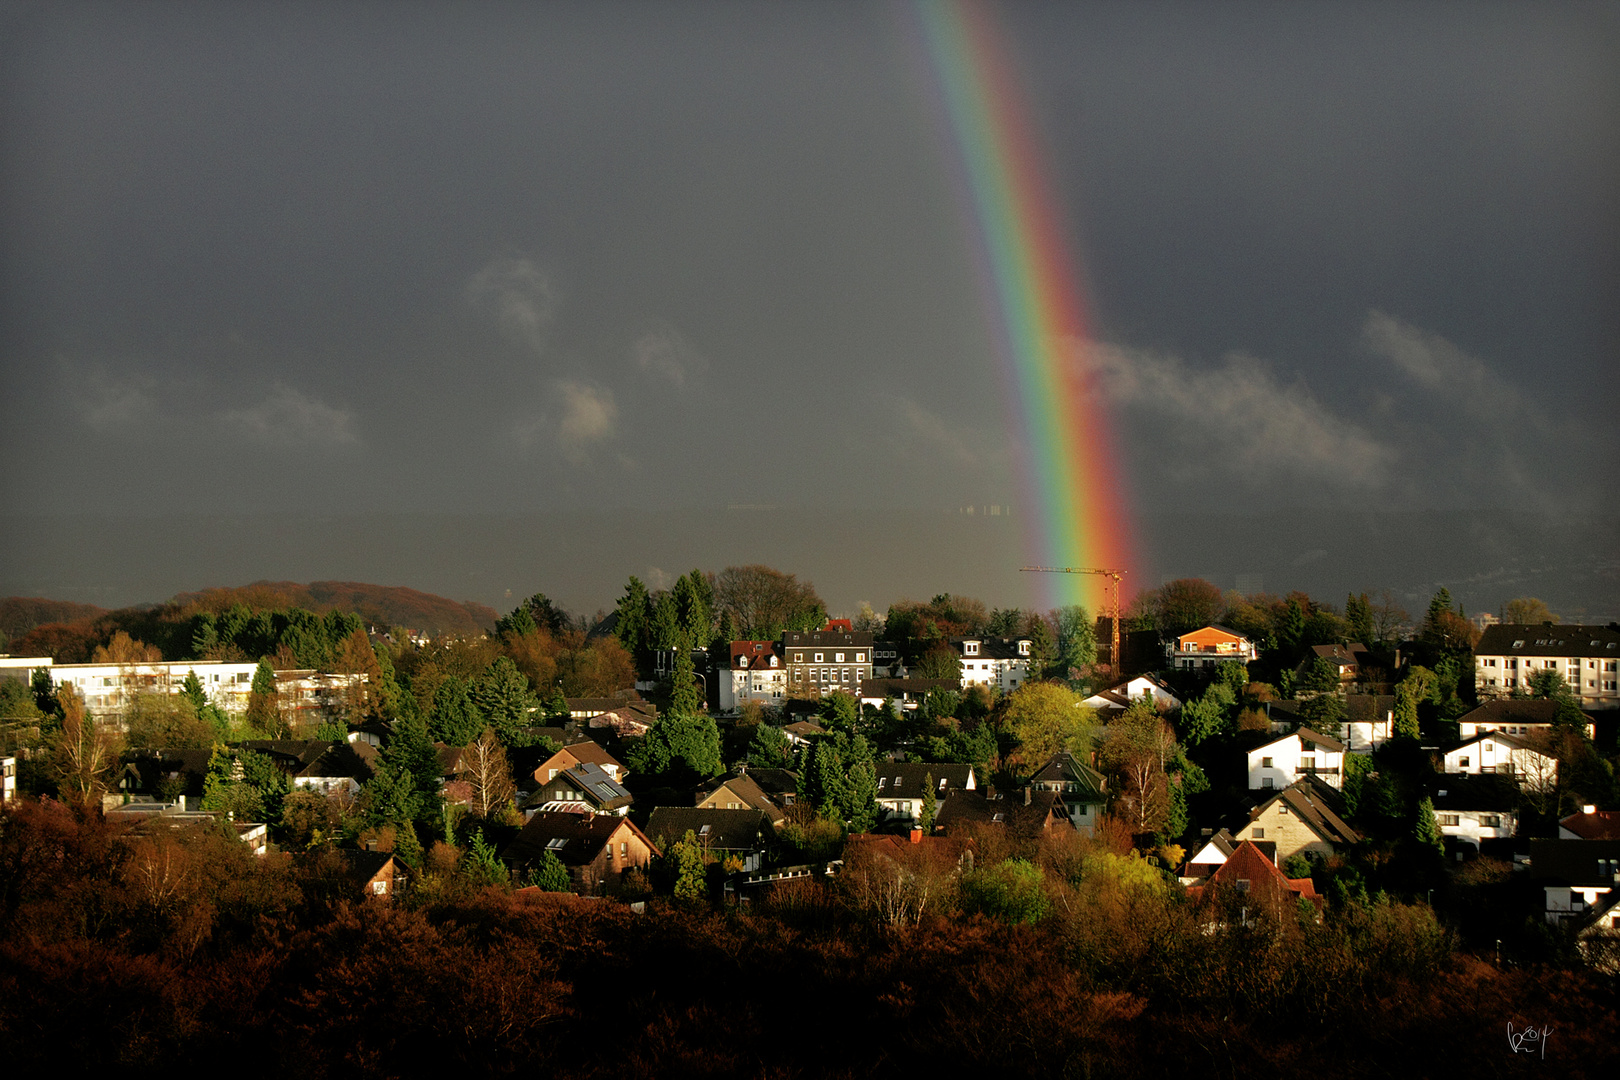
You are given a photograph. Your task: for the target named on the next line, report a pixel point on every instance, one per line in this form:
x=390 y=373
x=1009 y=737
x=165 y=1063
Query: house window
x=1282 y=808
x=1268 y=783
x=818 y=658
x=838 y=658
x=1491 y=821
x=624 y=849
x=1265 y=763
x=942 y=783
x=704 y=831
x=555 y=843
x=1490 y=662
x=860 y=658
x=970 y=648
x=1259 y=834
x=882 y=782
x=1243 y=884
x=380 y=888
x=1462 y=762
x=1451 y=820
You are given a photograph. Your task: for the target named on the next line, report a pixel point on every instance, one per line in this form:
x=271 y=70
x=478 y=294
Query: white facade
x=756 y=673
x=1472 y=826
x=1588 y=657
x=1001 y=664
x=107 y=688
x=1279 y=763
x=1496 y=753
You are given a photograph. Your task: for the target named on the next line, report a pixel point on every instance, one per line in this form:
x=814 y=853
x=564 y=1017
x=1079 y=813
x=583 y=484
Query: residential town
x=724 y=749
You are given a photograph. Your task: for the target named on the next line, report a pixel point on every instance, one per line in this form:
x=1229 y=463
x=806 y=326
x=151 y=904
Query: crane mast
x=1112 y=586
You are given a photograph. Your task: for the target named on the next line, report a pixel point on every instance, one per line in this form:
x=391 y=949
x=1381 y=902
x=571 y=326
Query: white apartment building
x=1588 y=657
x=1280 y=762
x=1002 y=663
x=754 y=673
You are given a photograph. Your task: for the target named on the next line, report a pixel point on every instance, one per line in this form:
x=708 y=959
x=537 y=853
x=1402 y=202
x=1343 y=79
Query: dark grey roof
x=1065 y=769
x=1575 y=862
x=723 y=830
x=906 y=688
x=1519 y=639
x=992 y=648
x=776 y=782
x=818 y=638
x=598 y=786
x=576 y=839
x=1318 y=805
x=1514 y=711
x=1460 y=791
x=991 y=807
x=1306 y=735
x=906 y=779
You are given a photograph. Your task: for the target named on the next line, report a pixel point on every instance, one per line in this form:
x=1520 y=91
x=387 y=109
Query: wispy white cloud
x=587 y=415
x=1238 y=420
x=291 y=418
x=663 y=352
x=930 y=431
x=109 y=401
x=521 y=296
x=1435 y=364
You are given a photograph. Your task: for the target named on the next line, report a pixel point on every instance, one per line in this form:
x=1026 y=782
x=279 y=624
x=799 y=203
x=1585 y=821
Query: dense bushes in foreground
x=151 y=956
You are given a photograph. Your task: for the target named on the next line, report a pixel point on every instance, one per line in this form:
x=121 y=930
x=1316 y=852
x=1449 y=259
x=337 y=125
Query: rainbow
x=1036 y=302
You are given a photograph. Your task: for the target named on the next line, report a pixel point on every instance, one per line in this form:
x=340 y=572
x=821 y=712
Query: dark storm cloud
x=561 y=259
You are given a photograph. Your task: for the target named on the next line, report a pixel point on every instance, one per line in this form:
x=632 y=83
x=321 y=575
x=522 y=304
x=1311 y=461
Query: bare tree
x=83 y=752
x=762 y=601
x=487 y=774
x=1390 y=621
x=1137 y=745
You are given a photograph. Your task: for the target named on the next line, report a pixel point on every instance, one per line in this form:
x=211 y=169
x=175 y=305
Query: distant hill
x=20 y=614
x=70 y=632
x=382 y=605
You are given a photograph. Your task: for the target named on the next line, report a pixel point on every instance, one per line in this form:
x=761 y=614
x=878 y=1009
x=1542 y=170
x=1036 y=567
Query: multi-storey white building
x=999 y=662
x=1588 y=657
x=755 y=673
x=1280 y=762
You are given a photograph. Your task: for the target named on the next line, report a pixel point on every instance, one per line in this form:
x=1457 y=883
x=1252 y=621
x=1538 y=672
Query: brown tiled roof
x=1248 y=864
x=581 y=836
x=1317 y=805
x=1598 y=825
x=990 y=807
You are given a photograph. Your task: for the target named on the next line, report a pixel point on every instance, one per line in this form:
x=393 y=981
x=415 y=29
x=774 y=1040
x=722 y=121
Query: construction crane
x=1113 y=576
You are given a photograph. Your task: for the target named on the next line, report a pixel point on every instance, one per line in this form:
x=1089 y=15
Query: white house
x=1369 y=722
x=1470 y=809
x=1002 y=663
x=1588 y=657
x=901 y=785
x=754 y=672
x=107 y=688
x=1513 y=716
x=1578 y=877
x=1278 y=763
x=1508 y=755
x=1118 y=698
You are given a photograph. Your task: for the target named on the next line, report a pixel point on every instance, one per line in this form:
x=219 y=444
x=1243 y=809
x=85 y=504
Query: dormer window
x=1023 y=648
x=970 y=648
x=773 y=661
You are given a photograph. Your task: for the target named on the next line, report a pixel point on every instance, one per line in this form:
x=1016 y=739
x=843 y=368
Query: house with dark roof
x=1082 y=787
x=1002 y=663
x=597 y=849
x=1514 y=716
x=1369 y=721
x=1305 y=816
x=1475 y=810
x=801 y=732
x=1121 y=696
x=740 y=791
x=1579 y=878
x=1349 y=660
x=583 y=789
x=1303 y=752
x=1254 y=878
x=741 y=834
x=1025 y=813
x=1505 y=755
x=335 y=767
x=901 y=784
x=907 y=693
x=165 y=773
x=1588 y=658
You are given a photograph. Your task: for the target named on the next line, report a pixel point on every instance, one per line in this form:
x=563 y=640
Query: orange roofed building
x=1209 y=646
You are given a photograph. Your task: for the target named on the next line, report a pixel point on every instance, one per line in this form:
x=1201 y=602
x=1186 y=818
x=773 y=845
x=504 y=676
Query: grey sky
x=570 y=259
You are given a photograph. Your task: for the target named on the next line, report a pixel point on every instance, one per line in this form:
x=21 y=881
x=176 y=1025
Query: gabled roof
x=906 y=779
x=585 y=753
x=906 y=688
x=775 y=782
x=1521 y=639
x=1306 y=735
x=1065 y=769
x=1249 y=870
x=1512 y=742
x=724 y=830
x=1218 y=628
x=749 y=793
x=1368 y=708
x=576 y=839
x=1044 y=810
x=1598 y=825
x=1317 y=805
x=1222 y=844
x=804 y=729
x=746 y=655
x=600 y=789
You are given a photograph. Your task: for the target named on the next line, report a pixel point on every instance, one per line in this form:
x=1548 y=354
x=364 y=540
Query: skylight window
x=555 y=842
x=1518 y=644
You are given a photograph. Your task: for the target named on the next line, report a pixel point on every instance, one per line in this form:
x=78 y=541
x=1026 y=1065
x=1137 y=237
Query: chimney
x=371 y=845
x=182 y=804
x=916 y=834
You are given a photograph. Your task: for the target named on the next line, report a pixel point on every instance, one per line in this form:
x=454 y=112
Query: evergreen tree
x=684 y=696
x=192 y=691
x=455 y=719
x=631 y=625
x=1428 y=827
x=691 y=886
x=1358 y=618
x=930 y=805
x=665 y=632
x=556 y=705
x=769 y=748
x=204 y=636
x=501 y=695
x=407 y=848
x=262 y=714
x=550 y=875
